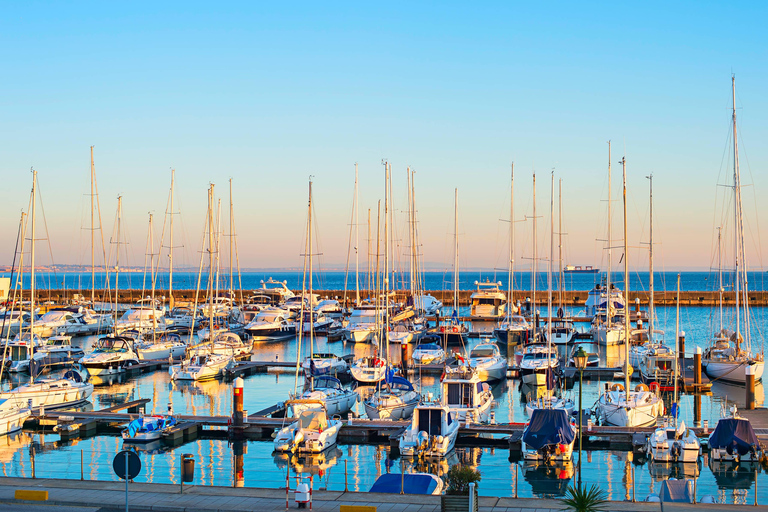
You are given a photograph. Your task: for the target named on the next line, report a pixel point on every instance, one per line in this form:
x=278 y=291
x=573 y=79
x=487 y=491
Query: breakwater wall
x=570 y=298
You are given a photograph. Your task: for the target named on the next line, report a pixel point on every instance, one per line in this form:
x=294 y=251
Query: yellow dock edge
x=30 y=495
x=357 y=508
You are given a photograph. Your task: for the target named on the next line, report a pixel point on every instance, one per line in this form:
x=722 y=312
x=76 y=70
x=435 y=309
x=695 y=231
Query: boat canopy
x=548 y=427
x=313 y=419
x=393 y=483
x=734 y=435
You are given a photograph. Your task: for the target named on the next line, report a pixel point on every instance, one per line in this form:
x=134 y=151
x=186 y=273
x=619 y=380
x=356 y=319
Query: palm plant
x=459 y=477
x=583 y=499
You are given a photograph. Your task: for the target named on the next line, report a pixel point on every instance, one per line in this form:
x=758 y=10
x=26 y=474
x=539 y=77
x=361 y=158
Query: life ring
x=455 y=328
x=617 y=387
x=641 y=387
x=654 y=387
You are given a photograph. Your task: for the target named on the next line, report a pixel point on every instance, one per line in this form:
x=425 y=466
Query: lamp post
x=580 y=360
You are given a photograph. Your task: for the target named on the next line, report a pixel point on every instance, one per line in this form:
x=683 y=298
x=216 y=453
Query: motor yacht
x=487 y=361
x=312 y=432
x=112 y=354
x=468 y=398
x=432 y=432
x=539 y=364
x=489 y=302
x=271 y=324
x=68 y=391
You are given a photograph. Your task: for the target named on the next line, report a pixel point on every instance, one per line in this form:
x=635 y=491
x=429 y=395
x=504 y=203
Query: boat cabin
x=432 y=420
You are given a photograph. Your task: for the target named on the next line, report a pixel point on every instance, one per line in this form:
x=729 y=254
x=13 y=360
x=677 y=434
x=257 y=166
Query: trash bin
x=187 y=468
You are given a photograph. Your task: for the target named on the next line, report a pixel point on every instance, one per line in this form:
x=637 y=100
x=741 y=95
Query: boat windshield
x=536 y=355
x=482 y=352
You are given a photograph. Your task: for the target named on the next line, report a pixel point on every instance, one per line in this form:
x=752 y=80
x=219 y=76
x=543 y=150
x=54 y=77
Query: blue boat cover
x=548 y=427
x=411 y=484
x=734 y=434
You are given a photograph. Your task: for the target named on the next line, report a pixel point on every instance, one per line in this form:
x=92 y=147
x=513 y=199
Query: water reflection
x=548 y=481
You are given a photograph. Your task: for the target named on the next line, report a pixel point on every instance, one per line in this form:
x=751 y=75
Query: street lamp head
x=580 y=359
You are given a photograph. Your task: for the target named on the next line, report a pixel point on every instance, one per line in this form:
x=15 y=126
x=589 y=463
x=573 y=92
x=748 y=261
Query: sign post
x=127 y=466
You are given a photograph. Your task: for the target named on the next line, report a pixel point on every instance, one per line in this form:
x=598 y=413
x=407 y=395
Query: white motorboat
x=369 y=370
x=598 y=299
x=166 y=345
x=432 y=432
x=146 y=429
x=201 y=367
x=394 y=400
x=319 y=322
x=549 y=436
x=271 y=324
x=324 y=364
x=427 y=304
x=336 y=398
x=363 y=324
x=13 y=322
x=734 y=440
x=539 y=364
x=622 y=408
x=58 y=350
x=488 y=362
x=312 y=432
x=407 y=331
x=70 y=390
x=330 y=308
x=12 y=416
x=183 y=318
x=488 y=302
x=277 y=291
x=21 y=350
x=428 y=353
x=468 y=398
x=224 y=343
x=141 y=319
x=562 y=331
x=111 y=355
x=671 y=443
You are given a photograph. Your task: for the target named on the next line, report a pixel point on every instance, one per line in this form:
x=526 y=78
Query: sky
x=269 y=94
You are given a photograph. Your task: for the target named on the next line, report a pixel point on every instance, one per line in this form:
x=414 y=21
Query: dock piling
x=681 y=345
x=697 y=368
x=750 y=387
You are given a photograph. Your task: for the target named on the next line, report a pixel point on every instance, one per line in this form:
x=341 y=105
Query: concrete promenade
x=109 y=496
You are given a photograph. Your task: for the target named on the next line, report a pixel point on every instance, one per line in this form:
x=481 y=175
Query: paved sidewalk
x=166 y=498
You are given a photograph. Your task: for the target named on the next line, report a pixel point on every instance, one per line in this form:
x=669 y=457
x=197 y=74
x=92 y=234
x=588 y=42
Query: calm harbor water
x=618 y=472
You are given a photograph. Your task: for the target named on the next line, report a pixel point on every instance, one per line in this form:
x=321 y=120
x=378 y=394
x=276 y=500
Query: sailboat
x=452 y=331
x=561 y=331
x=325 y=389
x=205 y=364
x=112 y=353
x=729 y=356
x=72 y=389
x=618 y=405
x=514 y=330
x=604 y=303
x=673 y=442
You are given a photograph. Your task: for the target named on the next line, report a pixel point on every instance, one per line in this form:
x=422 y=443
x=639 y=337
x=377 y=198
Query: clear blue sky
x=270 y=93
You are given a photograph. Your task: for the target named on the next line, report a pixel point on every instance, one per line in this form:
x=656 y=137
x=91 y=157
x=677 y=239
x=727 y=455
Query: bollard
x=81 y=465
x=697 y=369
x=681 y=345
x=237 y=403
x=750 y=387
x=32 y=459
x=472 y=497
x=697 y=410
x=515 y=480
x=706 y=427
x=402 y=477
x=346 y=489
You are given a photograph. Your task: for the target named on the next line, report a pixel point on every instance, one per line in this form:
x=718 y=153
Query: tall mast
x=170 y=246
x=511 y=256
x=677 y=337
x=231 y=241
x=93 y=257
x=551 y=257
x=560 y=243
x=309 y=244
x=386 y=283
x=650 y=268
x=152 y=271
x=720 y=275
x=32 y=263
x=610 y=243
x=736 y=211
x=368 y=259
x=117 y=256
x=357 y=242
x=456 y=251
x=535 y=261
x=626 y=281
x=211 y=268
x=411 y=266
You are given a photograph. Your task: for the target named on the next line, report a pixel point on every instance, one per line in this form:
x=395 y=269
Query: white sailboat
x=672 y=442
x=618 y=405
x=729 y=356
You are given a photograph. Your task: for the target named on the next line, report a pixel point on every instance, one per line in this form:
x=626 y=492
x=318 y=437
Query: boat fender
x=617 y=387
x=641 y=387
x=440 y=440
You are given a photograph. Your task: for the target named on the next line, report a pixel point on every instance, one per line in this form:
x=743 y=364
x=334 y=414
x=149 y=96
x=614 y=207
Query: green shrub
x=583 y=499
x=459 y=477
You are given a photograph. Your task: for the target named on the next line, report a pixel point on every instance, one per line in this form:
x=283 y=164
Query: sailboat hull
x=640 y=411
x=732 y=371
